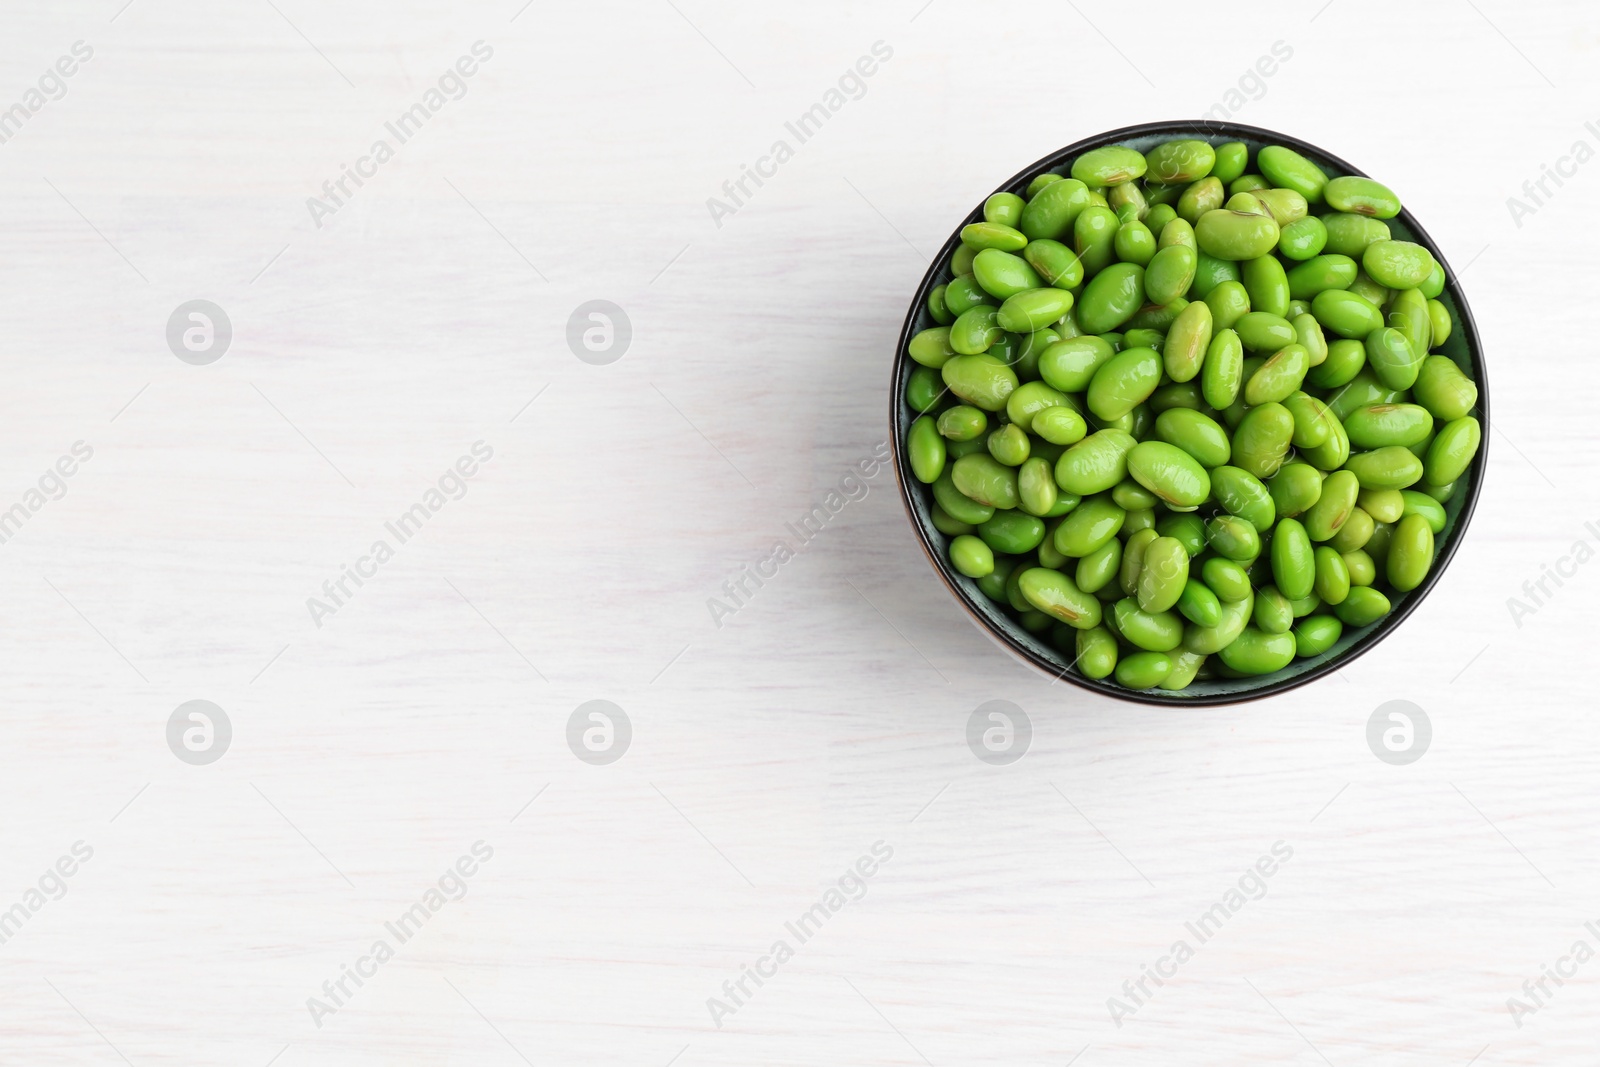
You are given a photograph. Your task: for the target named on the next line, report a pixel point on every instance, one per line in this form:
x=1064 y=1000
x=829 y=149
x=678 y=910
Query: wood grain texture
x=829 y=712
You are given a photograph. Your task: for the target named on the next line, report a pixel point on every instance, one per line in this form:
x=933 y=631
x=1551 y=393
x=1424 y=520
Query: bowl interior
x=1462 y=346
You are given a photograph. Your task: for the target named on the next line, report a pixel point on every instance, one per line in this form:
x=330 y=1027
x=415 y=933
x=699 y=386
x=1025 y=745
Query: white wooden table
x=376 y=741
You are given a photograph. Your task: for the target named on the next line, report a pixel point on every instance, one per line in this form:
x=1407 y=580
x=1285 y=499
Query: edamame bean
x=1262 y=439
x=1447 y=393
x=1229 y=302
x=1170 y=473
x=1060 y=425
x=1036 y=486
x=1196 y=433
x=1094 y=235
x=1003 y=275
x=1320 y=274
x=1376 y=425
x=1264 y=279
x=1344 y=362
x=1316 y=635
x=1054 y=594
x=1302 y=239
x=1143 y=670
x=1293 y=566
x=1254 y=652
x=1262 y=331
x=1054 y=262
x=1233 y=538
x=1096 y=652
x=1158 y=631
x=1332 y=576
x=1009 y=444
x=1362 y=196
x=1392 y=359
x=1452 y=451
x=1279 y=377
x=1295 y=488
x=1349 y=235
x=931 y=347
x=975 y=330
x=1288 y=169
x=1390 y=467
x=1088 y=526
x=1170 y=273
x=1431 y=511
x=1334 y=506
x=981 y=380
x=1410 y=553
x=1096 y=570
x=1134 y=243
x=1163 y=575
x=1012 y=532
x=1362 y=570
x=1003 y=208
x=1273 y=614
x=924 y=389
x=971 y=556
x=1439 y=319
x=1095 y=463
x=982 y=478
x=1033 y=310
x=980 y=235
x=1222 y=372
x=1235 y=235
x=1111 y=165
x=1345 y=313
x=925 y=450
x=1111 y=298
x=1052 y=209
x=1363 y=606
x=1185 y=349
x=1397 y=264
x=1204 y=195
x=962 y=422
x=1125 y=381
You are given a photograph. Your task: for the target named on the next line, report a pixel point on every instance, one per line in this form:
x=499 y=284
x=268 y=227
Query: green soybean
x=1362 y=196
x=1126 y=380
x=1364 y=605
x=1262 y=439
x=925 y=450
x=1255 y=652
x=1316 y=635
x=1222 y=372
x=981 y=380
x=1051 y=210
x=1111 y=298
x=1089 y=526
x=982 y=478
x=1055 y=594
x=1452 y=451
x=971 y=556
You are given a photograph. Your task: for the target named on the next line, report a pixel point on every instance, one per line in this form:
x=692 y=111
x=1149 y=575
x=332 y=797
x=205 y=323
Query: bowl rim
x=907 y=483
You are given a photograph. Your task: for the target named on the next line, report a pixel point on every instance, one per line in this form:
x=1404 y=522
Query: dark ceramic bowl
x=1463 y=346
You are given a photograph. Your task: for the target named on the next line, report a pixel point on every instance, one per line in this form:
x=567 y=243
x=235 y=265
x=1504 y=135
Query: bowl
x=1036 y=650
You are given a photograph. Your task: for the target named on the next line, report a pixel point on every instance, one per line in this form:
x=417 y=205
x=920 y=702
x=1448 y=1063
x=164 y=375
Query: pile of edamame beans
x=1182 y=410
